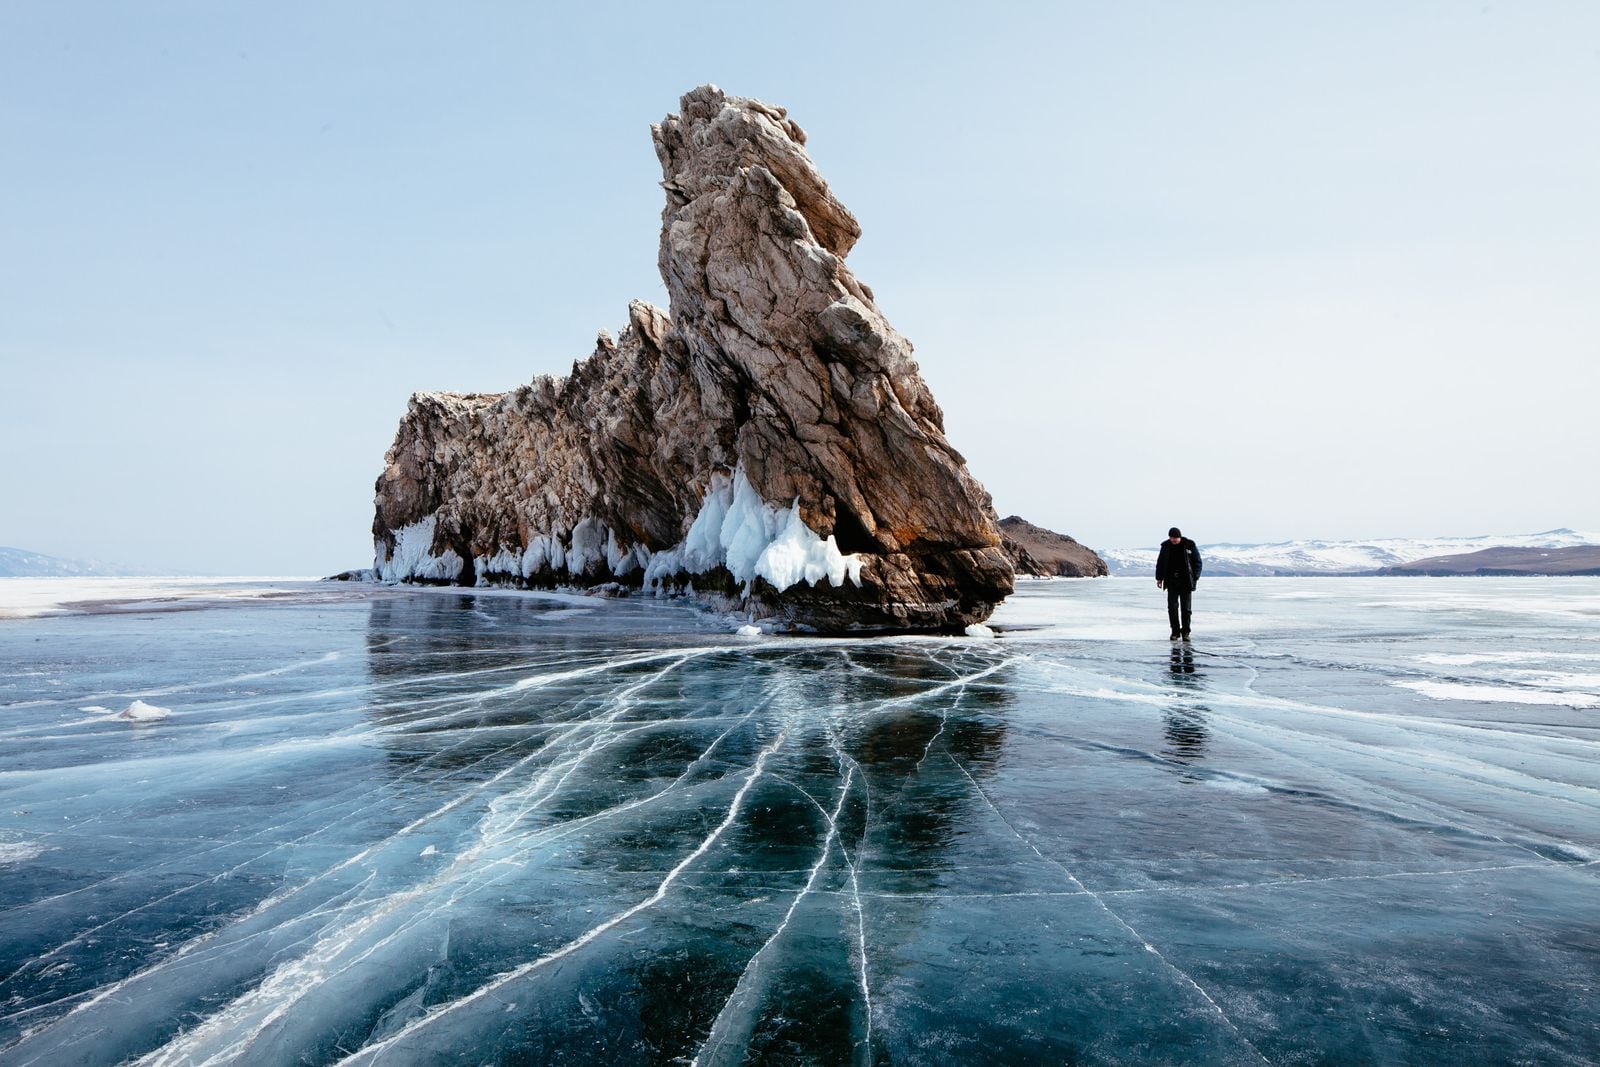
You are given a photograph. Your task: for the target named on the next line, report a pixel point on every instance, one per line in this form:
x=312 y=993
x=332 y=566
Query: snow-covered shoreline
x=1348 y=558
x=23 y=598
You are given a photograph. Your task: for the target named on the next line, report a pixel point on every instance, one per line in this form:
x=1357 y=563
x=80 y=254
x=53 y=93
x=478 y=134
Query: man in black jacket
x=1178 y=572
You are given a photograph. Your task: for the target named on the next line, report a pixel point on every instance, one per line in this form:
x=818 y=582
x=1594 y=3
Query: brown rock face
x=1047 y=554
x=771 y=441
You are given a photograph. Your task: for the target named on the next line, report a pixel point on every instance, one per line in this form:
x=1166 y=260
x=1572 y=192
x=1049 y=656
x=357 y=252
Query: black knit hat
x=1174 y=532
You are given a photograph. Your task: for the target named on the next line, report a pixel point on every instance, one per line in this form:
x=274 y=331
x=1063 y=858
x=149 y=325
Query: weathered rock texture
x=1045 y=553
x=771 y=440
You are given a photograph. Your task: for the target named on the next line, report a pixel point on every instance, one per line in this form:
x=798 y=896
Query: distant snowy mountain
x=1336 y=557
x=20 y=563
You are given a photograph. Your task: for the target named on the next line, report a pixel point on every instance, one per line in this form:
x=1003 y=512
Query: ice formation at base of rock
x=770 y=442
x=735 y=530
x=751 y=539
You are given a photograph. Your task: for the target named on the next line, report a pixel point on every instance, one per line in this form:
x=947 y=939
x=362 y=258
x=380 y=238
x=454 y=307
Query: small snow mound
x=429 y=851
x=749 y=631
x=978 y=629
x=139 y=711
x=96 y=709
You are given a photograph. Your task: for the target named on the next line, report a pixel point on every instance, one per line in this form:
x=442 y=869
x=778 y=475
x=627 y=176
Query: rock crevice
x=770 y=435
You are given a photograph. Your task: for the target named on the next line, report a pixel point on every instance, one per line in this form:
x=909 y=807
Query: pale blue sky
x=1264 y=270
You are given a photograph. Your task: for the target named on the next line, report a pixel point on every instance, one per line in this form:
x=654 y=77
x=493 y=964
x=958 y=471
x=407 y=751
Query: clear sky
x=1264 y=270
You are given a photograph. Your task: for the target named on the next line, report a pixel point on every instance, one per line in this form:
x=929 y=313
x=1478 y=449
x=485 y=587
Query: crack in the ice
x=370 y=1053
x=1435 y=815
x=865 y=1044
x=944 y=720
x=621 y=699
x=721 y=1034
x=1120 y=921
x=380 y=794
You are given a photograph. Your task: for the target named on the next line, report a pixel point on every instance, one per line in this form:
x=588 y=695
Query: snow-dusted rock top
x=1337 y=557
x=770 y=442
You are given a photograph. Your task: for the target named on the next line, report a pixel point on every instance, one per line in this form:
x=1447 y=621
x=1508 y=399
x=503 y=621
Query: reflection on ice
x=408 y=828
x=1185 y=729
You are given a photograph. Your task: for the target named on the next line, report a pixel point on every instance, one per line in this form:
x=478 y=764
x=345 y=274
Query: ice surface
x=419 y=826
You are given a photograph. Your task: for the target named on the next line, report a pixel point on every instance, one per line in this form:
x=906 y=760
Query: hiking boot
x=1174 y=637
x=1186 y=635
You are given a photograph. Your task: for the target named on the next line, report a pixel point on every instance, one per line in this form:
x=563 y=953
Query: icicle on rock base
x=770 y=443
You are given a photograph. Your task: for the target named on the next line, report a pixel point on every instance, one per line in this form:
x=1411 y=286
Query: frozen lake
x=1357 y=821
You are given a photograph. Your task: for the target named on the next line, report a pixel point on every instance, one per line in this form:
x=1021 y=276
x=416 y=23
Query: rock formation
x=1045 y=553
x=769 y=442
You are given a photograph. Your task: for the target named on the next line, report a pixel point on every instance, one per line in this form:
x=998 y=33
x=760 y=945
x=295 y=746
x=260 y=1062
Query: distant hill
x=20 y=563
x=1045 y=553
x=1581 y=559
x=1298 y=558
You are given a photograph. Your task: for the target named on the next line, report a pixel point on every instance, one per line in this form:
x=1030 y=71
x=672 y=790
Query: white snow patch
x=565 y=613
x=1452 y=659
x=737 y=529
x=1236 y=785
x=429 y=851
x=23 y=598
x=96 y=709
x=749 y=631
x=978 y=629
x=1500 y=694
x=20 y=851
x=139 y=711
x=1548 y=679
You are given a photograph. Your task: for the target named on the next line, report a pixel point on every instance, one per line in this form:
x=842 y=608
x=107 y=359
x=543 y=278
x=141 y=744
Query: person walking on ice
x=1178 y=572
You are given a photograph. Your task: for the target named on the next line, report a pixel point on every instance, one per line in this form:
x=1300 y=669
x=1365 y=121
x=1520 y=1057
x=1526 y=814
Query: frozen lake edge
x=1354 y=820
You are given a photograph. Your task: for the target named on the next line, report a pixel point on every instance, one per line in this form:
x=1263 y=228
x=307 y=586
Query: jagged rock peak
x=714 y=136
x=771 y=443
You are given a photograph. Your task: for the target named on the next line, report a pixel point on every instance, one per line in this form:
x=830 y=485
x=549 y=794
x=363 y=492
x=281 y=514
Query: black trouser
x=1177 y=598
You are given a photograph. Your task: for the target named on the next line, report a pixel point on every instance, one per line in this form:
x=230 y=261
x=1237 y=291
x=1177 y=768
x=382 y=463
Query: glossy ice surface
x=1357 y=820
